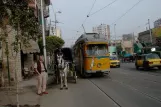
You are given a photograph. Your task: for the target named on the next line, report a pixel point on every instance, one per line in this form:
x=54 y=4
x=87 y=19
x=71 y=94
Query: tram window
x=97 y=49
x=76 y=51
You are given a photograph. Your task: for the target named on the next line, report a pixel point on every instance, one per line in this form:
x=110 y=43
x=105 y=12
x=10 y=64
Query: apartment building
x=103 y=29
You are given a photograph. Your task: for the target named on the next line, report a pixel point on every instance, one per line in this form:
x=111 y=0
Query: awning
x=31 y=48
x=127 y=55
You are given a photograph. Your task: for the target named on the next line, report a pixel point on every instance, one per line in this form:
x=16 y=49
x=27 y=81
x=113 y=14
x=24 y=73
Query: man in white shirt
x=40 y=69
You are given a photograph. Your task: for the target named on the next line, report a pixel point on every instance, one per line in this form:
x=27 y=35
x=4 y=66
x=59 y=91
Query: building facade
x=55 y=32
x=127 y=43
x=58 y=33
x=157 y=23
x=25 y=56
x=115 y=42
x=144 y=37
x=103 y=29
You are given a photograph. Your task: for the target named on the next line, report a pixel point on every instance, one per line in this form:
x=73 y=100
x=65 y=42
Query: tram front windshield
x=97 y=49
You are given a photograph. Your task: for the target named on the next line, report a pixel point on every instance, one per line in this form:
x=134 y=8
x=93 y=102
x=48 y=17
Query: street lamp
x=56 y=19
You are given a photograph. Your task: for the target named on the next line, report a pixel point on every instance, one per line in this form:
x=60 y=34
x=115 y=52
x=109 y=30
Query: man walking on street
x=40 y=69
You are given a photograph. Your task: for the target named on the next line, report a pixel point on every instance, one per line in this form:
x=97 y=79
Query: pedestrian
x=40 y=69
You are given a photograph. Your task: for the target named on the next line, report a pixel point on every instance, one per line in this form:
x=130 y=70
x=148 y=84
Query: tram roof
x=91 y=37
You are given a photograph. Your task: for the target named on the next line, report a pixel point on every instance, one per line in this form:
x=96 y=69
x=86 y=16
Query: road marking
x=135 y=89
x=115 y=103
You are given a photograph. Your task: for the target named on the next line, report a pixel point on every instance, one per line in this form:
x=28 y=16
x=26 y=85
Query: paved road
x=125 y=87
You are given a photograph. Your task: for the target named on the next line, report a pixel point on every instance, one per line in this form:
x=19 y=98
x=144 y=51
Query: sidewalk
x=27 y=93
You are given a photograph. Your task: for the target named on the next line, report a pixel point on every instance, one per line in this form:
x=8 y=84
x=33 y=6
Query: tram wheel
x=85 y=75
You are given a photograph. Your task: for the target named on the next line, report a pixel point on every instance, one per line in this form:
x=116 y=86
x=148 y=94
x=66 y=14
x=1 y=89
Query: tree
x=52 y=42
x=20 y=17
x=119 y=49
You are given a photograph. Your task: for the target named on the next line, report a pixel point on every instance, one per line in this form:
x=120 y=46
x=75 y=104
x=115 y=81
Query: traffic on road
x=80 y=53
x=135 y=82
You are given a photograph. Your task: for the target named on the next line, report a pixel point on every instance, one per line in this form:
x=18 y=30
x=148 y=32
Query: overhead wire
x=127 y=12
x=88 y=14
x=91 y=8
x=96 y=11
x=103 y=8
x=108 y=6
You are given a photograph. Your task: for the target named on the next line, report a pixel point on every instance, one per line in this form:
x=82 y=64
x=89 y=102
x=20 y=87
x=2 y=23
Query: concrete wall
x=28 y=61
x=145 y=37
x=14 y=62
x=127 y=46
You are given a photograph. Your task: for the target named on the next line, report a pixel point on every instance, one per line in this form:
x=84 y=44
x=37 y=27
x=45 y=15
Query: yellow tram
x=91 y=54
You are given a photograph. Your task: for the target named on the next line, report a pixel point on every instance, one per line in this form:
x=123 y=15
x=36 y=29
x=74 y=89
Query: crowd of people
x=129 y=58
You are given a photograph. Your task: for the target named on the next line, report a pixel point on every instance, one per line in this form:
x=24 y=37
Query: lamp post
x=56 y=20
x=43 y=31
x=150 y=31
x=133 y=41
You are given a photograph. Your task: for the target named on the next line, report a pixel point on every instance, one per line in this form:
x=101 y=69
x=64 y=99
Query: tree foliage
x=119 y=48
x=22 y=19
x=52 y=42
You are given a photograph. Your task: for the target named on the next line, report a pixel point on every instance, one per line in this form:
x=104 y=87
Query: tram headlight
x=99 y=65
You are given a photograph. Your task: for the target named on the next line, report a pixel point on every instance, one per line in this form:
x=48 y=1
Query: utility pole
x=43 y=31
x=133 y=39
x=115 y=33
x=150 y=31
x=50 y=27
x=55 y=23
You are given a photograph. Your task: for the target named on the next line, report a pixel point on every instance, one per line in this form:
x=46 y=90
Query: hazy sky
x=74 y=13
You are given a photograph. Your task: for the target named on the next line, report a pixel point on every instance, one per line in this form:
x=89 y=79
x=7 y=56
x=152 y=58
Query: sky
x=74 y=12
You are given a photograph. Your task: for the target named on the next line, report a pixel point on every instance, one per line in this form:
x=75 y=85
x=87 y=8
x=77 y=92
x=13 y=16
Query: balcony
x=46 y=12
x=47 y=2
